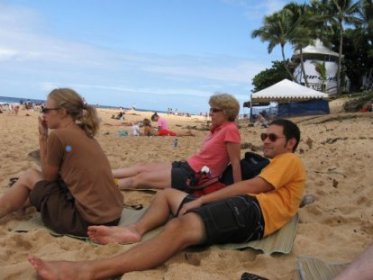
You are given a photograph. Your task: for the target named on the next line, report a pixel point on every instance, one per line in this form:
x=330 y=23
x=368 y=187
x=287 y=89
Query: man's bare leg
x=157 y=214
x=178 y=234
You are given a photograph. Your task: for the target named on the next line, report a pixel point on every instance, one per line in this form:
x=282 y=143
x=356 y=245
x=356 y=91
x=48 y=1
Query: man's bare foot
x=55 y=270
x=105 y=234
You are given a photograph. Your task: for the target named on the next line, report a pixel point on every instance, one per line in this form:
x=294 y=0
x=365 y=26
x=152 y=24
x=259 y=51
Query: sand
x=337 y=152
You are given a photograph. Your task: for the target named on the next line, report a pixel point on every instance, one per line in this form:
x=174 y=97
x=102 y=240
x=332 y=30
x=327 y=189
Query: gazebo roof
x=317 y=48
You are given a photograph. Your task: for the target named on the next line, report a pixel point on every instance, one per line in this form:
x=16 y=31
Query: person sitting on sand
x=221 y=146
x=148 y=130
x=75 y=187
x=245 y=211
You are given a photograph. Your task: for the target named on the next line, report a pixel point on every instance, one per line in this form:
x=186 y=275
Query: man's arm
x=253 y=186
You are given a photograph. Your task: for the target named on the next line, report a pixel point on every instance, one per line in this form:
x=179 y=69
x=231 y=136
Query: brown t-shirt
x=86 y=171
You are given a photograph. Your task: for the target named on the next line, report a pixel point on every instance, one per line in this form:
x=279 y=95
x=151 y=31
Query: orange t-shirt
x=287 y=175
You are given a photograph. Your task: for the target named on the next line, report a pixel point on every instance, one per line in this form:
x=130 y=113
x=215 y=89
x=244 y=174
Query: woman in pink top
x=221 y=147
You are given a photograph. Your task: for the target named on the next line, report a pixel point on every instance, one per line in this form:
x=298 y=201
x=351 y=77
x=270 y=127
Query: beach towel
x=279 y=242
x=311 y=268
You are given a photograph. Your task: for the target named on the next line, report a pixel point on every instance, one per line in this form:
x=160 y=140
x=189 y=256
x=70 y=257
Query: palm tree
x=301 y=34
x=275 y=31
x=321 y=69
x=367 y=24
x=338 y=13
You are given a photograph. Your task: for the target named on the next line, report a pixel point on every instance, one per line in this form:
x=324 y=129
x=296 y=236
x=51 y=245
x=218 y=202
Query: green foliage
x=299 y=24
x=270 y=76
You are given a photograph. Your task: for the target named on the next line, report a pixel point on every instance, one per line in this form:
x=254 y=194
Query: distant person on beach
x=75 y=187
x=221 y=146
x=162 y=125
x=262 y=121
x=245 y=211
x=119 y=116
x=135 y=129
x=148 y=130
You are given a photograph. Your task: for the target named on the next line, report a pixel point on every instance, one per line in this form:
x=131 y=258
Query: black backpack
x=251 y=165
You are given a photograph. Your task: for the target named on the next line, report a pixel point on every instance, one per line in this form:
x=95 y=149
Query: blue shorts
x=233 y=220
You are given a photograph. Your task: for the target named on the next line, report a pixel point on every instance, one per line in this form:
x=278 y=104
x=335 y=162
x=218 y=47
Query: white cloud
x=255 y=10
x=7 y=54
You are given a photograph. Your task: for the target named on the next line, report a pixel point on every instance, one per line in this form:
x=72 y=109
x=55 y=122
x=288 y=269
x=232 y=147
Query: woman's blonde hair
x=228 y=103
x=83 y=114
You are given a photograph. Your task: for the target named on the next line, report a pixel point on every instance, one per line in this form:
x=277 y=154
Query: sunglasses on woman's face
x=46 y=110
x=215 y=110
x=272 y=137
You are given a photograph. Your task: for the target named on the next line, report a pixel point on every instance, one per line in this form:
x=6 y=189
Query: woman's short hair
x=228 y=103
x=83 y=114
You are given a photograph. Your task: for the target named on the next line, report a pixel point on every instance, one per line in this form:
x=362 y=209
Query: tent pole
x=251 y=107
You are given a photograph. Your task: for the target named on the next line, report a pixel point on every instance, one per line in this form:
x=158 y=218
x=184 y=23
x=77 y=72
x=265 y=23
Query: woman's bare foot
x=105 y=234
x=55 y=270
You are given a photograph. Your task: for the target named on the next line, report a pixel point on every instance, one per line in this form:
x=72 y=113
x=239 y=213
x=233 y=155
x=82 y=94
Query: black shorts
x=232 y=220
x=57 y=208
x=181 y=175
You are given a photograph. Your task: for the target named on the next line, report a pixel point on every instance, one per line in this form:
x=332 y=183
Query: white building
x=313 y=54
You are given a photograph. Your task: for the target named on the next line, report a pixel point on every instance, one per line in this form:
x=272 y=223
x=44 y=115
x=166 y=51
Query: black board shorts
x=232 y=220
x=181 y=175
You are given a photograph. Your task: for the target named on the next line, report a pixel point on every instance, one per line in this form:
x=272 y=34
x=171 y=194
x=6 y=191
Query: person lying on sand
x=247 y=210
x=75 y=187
x=221 y=146
x=148 y=130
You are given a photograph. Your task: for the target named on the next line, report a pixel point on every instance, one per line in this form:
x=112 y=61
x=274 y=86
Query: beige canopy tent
x=293 y=99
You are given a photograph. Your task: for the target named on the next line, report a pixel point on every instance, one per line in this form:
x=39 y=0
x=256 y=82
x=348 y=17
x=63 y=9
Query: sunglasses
x=215 y=110
x=272 y=137
x=46 y=110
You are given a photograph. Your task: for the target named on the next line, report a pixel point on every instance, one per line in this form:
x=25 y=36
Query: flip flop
x=251 y=276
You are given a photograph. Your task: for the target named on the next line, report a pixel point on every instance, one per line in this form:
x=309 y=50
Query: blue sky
x=151 y=54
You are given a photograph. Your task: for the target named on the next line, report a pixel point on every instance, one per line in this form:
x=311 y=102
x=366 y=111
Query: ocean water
x=7 y=99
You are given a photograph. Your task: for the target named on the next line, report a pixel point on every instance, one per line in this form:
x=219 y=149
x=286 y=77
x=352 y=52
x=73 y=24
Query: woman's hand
x=190 y=205
x=43 y=128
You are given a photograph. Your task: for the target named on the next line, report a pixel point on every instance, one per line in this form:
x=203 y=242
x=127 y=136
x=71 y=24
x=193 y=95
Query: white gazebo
x=312 y=55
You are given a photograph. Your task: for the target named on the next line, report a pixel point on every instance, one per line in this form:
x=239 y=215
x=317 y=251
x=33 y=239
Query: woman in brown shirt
x=75 y=187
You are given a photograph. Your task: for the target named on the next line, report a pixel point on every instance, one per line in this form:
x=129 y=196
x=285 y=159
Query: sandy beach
x=337 y=152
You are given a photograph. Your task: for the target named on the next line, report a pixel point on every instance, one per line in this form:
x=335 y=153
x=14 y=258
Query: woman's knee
x=30 y=177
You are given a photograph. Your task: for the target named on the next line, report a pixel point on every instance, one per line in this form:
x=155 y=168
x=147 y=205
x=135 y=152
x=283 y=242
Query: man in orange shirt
x=247 y=210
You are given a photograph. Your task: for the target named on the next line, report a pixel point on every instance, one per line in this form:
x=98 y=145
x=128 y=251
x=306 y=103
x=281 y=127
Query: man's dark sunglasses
x=272 y=137
x=46 y=110
x=215 y=110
